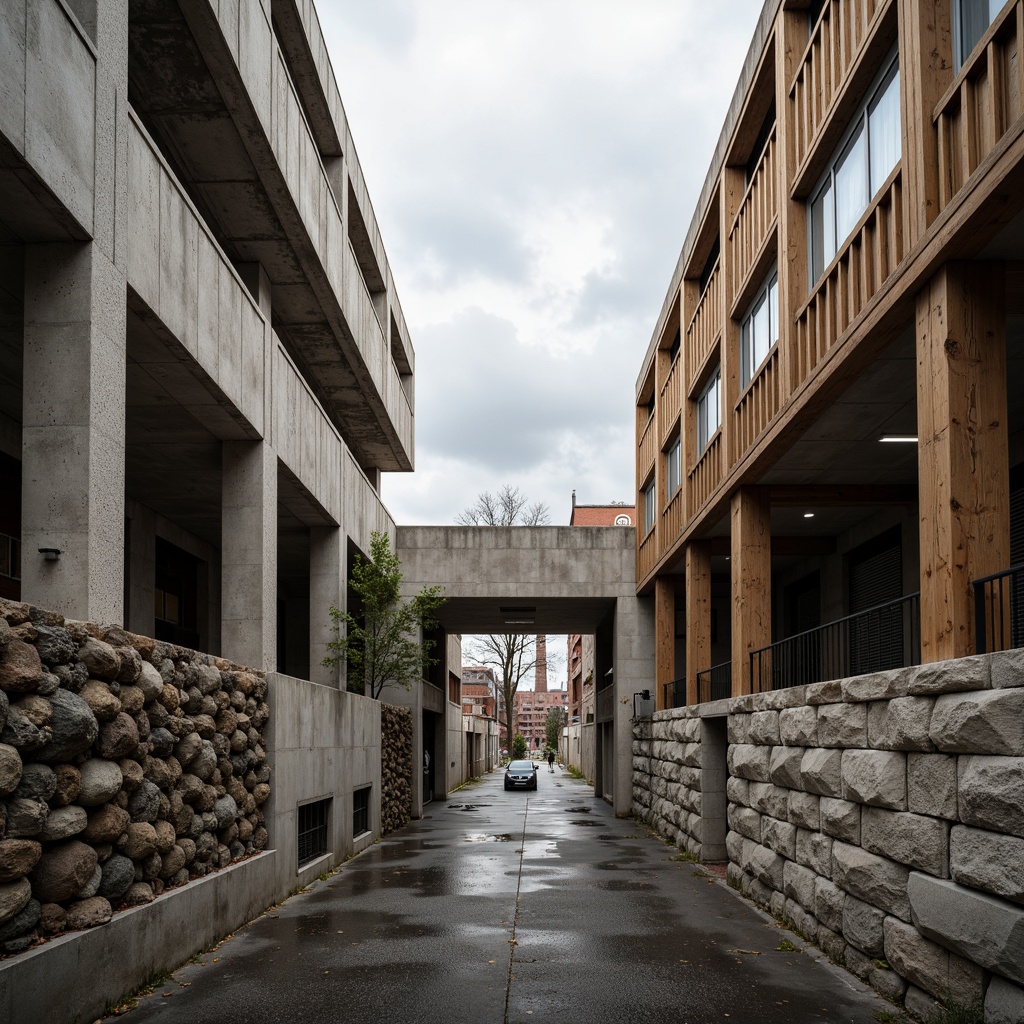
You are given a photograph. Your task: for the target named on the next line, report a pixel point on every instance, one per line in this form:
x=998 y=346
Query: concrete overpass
x=549 y=579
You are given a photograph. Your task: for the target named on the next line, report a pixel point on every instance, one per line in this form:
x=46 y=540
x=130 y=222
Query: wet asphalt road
x=513 y=908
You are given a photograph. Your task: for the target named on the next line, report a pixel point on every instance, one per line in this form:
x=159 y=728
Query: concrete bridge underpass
x=542 y=579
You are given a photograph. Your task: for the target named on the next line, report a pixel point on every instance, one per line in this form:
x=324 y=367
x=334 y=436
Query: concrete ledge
x=74 y=978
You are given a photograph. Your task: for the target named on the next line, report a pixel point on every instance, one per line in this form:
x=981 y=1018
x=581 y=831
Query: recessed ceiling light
x=898 y=439
x=808 y=515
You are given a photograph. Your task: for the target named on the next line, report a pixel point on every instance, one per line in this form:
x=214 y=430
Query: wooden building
x=830 y=414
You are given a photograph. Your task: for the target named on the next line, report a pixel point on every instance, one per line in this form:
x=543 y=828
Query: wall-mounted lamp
x=50 y=554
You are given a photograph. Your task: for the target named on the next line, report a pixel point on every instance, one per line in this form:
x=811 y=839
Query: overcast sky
x=533 y=165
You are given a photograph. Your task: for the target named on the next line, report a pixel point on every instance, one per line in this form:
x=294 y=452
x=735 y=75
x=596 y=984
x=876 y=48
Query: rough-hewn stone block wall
x=127 y=766
x=395 y=768
x=882 y=815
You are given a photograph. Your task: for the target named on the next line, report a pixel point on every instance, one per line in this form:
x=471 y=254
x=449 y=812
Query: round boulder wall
x=10 y=769
x=101 y=781
x=63 y=871
x=13 y=898
x=73 y=728
x=118 y=737
x=18 y=857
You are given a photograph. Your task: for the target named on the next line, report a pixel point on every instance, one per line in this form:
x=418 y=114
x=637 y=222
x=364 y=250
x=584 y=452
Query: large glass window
x=650 y=507
x=760 y=331
x=861 y=165
x=970 y=20
x=673 y=468
x=709 y=410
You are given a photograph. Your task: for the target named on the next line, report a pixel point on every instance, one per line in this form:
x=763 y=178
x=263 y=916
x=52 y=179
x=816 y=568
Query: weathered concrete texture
x=1004 y=1002
x=982 y=928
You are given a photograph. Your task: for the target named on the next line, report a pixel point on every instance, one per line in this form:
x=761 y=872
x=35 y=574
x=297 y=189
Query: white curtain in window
x=851 y=184
x=884 y=130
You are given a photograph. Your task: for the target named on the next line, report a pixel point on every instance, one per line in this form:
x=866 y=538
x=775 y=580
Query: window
x=760 y=331
x=360 y=811
x=673 y=467
x=709 y=266
x=650 y=507
x=709 y=410
x=674 y=348
x=869 y=153
x=970 y=20
x=312 y=830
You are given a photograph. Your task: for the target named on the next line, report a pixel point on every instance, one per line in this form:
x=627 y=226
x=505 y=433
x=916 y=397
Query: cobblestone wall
x=395 y=768
x=127 y=766
x=882 y=816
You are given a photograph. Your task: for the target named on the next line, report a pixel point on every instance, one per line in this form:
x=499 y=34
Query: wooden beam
x=963 y=464
x=664 y=636
x=751 y=565
x=698 y=614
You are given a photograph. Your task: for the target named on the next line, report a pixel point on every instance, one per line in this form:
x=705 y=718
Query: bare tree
x=509 y=507
x=512 y=656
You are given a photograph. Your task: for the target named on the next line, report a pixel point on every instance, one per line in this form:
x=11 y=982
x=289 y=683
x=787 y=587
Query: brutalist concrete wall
x=881 y=815
x=396 y=767
x=127 y=767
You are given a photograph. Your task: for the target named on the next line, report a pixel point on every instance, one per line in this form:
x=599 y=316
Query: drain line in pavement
x=515 y=916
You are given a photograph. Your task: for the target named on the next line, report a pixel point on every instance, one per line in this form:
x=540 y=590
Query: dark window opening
x=10 y=527
x=176 y=596
x=312 y=830
x=759 y=143
x=673 y=350
x=360 y=811
x=709 y=266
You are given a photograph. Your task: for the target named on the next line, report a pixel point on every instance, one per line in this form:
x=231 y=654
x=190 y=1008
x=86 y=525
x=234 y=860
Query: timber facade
x=829 y=422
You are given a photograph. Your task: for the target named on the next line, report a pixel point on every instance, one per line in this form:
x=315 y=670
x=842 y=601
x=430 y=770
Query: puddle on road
x=483 y=837
x=578 y=810
x=586 y=824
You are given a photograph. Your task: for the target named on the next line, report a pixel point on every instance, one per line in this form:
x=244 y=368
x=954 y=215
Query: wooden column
x=963 y=465
x=698 y=614
x=751 y=581
x=664 y=637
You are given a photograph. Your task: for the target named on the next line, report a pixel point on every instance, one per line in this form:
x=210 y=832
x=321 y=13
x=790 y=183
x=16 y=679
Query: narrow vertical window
x=970 y=20
x=709 y=417
x=759 y=333
x=650 y=507
x=673 y=468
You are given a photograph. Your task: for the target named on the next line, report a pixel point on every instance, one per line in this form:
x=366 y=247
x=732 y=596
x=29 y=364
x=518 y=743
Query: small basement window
x=312 y=830
x=360 y=811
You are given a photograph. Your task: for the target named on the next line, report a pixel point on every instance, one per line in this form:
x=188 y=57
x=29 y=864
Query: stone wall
x=127 y=766
x=395 y=768
x=882 y=816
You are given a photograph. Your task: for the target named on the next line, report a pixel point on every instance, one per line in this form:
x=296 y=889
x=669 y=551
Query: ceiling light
x=898 y=439
x=519 y=622
x=808 y=515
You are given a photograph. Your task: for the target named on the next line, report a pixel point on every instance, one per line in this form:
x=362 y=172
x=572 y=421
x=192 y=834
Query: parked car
x=521 y=775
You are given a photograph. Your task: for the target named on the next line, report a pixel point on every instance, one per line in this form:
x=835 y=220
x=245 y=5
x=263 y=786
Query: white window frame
x=650 y=495
x=963 y=44
x=673 y=468
x=754 y=349
x=858 y=134
x=709 y=414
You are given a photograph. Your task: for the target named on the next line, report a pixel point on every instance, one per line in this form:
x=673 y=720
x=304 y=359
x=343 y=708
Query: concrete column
x=73 y=436
x=326 y=590
x=698 y=615
x=751 y=581
x=249 y=554
x=963 y=464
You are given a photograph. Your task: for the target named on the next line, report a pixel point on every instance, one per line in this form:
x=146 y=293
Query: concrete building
x=204 y=367
x=829 y=422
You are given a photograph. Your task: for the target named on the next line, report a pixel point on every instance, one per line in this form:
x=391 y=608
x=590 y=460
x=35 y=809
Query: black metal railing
x=675 y=693
x=999 y=611
x=884 y=637
x=714 y=683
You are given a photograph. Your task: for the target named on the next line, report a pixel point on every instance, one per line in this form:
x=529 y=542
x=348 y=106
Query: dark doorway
x=176 y=596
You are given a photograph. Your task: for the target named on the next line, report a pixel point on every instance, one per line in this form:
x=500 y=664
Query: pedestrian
x=551 y=760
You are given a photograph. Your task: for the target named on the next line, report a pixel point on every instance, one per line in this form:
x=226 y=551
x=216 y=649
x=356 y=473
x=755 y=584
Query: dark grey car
x=521 y=775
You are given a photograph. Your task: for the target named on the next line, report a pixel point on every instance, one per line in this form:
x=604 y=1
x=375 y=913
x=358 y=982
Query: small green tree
x=553 y=727
x=519 y=746
x=380 y=647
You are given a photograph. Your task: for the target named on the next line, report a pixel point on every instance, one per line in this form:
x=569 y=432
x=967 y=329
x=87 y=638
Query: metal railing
x=714 y=683
x=999 y=610
x=884 y=637
x=675 y=693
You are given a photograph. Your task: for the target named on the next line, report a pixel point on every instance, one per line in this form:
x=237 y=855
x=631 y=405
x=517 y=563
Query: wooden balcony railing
x=647 y=554
x=672 y=520
x=831 y=51
x=868 y=257
x=647 y=449
x=670 y=400
x=706 y=475
x=705 y=325
x=755 y=217
x=984 y=100
x=759 y=403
